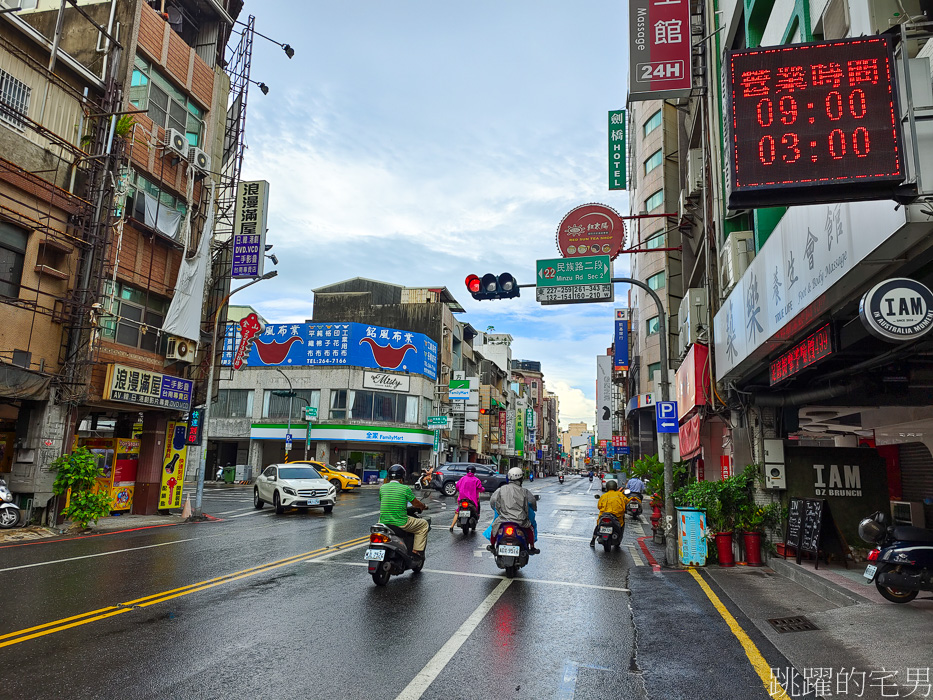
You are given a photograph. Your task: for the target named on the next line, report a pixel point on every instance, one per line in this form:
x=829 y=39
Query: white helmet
x=516 y=474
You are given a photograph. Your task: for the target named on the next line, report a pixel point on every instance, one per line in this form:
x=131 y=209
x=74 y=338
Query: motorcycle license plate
x=870 y=571
x=314 y=501
x=375 y=554
x=508 y=550
x=464 y=517
x=605 y=531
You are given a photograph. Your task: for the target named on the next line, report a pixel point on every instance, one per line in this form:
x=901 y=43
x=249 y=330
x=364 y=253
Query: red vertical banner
x=725 y=466
x=659 y=49
x=503 y=432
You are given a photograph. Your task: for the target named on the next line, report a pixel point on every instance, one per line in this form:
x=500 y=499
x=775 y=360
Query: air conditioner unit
x=694 y=172
x=177 y=142
x=737 y=255
x=199 y=159
x=180 y=349
x=692 y=318
x=907 y=513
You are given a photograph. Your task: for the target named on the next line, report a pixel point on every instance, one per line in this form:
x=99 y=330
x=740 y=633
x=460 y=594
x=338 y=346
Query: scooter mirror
x=596 y=496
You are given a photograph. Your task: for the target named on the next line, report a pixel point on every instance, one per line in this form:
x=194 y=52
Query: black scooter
x=610 y=531
x=560 y=478
x=901 y=565
x=389 y=552
x=468 y=516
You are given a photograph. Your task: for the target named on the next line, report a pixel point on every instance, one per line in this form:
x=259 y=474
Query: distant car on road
x=293 y=486
x=446 y=478
x=616 y=477
x=342 y=481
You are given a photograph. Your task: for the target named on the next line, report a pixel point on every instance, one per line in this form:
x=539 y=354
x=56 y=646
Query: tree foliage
x=78 y=473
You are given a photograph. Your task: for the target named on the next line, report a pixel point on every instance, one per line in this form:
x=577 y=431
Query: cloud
x=574 y=406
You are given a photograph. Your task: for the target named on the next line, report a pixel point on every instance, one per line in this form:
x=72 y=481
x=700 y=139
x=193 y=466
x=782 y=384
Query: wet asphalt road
x=184 y=612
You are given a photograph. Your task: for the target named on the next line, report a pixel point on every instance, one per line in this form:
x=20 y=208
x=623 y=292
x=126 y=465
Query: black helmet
x=471 y=469
x=396 y=473
x=873 y=528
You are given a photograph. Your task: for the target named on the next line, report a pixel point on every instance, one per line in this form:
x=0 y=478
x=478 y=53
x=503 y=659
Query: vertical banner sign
x=659 y=49
x=503 y=431
x=620 y=360
x=173 y=465
x=249 y=229
x=603 y=397
x=195 y=423
x=520 y=432
x=617 y=149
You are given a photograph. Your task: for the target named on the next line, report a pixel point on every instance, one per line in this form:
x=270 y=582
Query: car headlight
x=332 y=489
x=289 y=491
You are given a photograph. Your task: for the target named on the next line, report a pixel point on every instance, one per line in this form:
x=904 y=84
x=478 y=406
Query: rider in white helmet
x=513 y=503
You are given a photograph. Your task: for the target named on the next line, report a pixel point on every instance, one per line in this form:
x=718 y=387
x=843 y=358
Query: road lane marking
x=565 y=523
x=75 y=620
x=554 y=536
x=227 y=512
x=568 y=684
x=252 y=512
x=90 y=556
x=634 y=552
x=415 y=689
x=772 y=687
x=366 y=515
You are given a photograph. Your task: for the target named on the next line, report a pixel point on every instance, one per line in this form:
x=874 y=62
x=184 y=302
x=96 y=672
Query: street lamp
x=196 y=514
x=289 y=51
x=291 y=395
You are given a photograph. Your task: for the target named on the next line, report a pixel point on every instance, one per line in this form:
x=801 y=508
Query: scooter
x=901 y=565
x=424 y=481
x=468 y=516
x=389 y=552
x=511 y=548
x=560 y=478
x=591 y=478
x=9 y=511
x=633 y=507
x=610 y=531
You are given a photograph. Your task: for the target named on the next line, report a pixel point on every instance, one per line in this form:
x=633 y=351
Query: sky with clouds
x=416 y=142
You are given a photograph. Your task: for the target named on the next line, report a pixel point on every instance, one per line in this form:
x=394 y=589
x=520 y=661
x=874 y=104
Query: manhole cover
x=792 y=624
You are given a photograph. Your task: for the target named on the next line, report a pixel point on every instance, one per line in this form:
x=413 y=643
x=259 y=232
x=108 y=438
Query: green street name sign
x=437 y=420
x=562 y=272
x=310 y=412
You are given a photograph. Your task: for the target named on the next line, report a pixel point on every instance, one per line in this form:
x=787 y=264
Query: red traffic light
x=490 y=286
x=472 y=284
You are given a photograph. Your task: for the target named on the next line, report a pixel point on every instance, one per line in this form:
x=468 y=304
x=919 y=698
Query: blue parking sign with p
x=666 y=412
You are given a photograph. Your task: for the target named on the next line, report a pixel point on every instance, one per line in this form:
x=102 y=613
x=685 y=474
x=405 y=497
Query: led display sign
x=812 y=123
x=811 y=349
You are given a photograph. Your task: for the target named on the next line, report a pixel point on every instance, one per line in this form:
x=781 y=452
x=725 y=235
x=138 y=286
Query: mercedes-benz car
x=293 y=486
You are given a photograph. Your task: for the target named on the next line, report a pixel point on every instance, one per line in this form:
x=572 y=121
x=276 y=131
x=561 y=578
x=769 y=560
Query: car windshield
x=298 y=473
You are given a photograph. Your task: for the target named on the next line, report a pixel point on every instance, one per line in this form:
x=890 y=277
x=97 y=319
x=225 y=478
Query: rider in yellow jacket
x=612 y=502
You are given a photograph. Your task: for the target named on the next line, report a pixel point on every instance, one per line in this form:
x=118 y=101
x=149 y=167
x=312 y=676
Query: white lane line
x=420 y=683
x=521 y=579
x=565 y=523
x=91 y=556
x=341 y=551
x=252 y=512
x=227 y=512
x=633 y=550
x=563 y=537
x=366 y=515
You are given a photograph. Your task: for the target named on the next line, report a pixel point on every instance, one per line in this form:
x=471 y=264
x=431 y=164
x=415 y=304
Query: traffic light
x=491 y=287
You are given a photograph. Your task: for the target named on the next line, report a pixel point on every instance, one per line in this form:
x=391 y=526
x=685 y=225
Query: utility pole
x=667 y=451
x=288 y=431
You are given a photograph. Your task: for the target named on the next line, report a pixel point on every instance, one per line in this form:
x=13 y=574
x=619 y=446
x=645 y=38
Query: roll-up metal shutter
x=917 y=475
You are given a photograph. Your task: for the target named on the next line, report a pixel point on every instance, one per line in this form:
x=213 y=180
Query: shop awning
x=19 y=383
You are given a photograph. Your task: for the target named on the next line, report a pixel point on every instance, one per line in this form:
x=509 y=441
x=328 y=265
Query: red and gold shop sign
x=692 y=379
x=689 y=441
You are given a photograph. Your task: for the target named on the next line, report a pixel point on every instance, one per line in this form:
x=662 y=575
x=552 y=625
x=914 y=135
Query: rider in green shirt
x=394 y=497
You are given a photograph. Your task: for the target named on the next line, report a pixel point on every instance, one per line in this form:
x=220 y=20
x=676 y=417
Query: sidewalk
x=112 y=523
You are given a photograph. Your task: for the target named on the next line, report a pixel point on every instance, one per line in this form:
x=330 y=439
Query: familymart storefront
x=367 y=449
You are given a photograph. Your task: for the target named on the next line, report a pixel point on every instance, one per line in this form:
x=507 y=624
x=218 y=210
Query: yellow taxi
x=342 y=480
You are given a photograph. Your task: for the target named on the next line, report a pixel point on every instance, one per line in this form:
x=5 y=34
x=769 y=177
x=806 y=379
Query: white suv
x=293 y=486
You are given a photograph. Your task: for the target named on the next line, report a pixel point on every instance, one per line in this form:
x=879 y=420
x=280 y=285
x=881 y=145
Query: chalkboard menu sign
x=794 y=522
x=812 y=526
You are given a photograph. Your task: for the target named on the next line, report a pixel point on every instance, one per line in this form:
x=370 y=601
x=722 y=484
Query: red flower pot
x=724 y=548
x=752 y=548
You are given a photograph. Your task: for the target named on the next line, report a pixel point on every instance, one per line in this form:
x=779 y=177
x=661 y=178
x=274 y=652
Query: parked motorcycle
x=901 y=565
x=9 y=511
x=468 y=516
x=610 y=531
x=389 y=552
x=633 y=507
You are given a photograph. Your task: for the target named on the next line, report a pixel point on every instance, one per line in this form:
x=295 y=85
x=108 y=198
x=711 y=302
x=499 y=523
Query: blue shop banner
x=621 y=345
x=334 y=344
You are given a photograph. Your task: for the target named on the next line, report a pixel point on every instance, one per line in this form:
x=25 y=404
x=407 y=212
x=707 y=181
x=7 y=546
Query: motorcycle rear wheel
x=895 y=595
x=381 y=576
x=607 y=546
x=510 y=571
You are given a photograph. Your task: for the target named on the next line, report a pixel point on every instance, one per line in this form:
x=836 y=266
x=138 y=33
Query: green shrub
x=78 y=473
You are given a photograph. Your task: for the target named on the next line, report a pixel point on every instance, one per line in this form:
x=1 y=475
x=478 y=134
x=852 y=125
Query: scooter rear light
x=464 y=504
x=510 y=530
x=873 y=555
x=378 y=538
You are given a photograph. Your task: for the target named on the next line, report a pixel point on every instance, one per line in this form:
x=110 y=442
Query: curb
x=817 y=584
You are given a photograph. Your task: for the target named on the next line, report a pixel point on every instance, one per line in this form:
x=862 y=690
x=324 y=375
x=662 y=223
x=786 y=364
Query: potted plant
x=754 y=520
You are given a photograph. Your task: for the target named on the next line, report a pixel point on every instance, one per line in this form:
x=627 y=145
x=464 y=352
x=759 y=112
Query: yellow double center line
x=103 y=613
